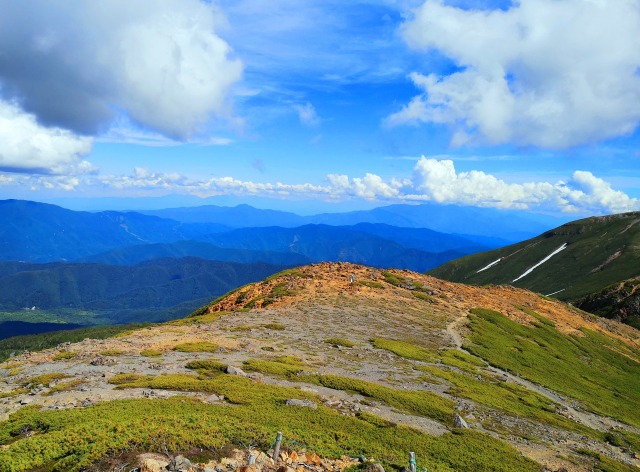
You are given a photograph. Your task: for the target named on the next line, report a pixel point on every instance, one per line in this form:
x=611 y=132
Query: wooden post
x=276 y=448
x=412 y=461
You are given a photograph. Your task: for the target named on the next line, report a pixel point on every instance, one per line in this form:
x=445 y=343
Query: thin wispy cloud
x=307 y=114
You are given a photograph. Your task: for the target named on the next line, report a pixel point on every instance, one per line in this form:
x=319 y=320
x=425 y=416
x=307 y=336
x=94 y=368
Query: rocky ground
x=318 y=303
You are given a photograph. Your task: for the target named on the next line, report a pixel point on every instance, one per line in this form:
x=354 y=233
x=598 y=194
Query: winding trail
x=570 y=407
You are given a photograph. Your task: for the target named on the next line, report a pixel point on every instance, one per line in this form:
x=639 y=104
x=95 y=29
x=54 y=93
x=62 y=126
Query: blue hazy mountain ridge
x=36 y=232
x=340 y=243
x=39 y=232
x=512 y=226
x=406 y=248
x=136 y=254
x=237 y=217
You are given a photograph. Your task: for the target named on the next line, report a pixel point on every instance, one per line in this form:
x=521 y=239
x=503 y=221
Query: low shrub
x=201 y=346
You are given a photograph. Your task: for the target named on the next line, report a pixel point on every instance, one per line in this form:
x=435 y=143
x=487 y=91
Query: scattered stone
x=301 y=403
x=248 y=468
x=374 y=468
x=214 y=398
x=181 y=464
x=314 y=459
x=26 y=401
x=100 y=360
x=153 y=465
x=236 y=371
x=459 y=422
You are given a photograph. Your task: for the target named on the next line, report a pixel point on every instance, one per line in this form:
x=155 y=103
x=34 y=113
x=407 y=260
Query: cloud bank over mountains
x=77 y=76
x=433 y=180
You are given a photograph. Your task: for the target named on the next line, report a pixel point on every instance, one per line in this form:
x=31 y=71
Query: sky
x=322 y=105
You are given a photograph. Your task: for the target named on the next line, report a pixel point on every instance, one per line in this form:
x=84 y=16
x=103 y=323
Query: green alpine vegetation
x=600 y=252
x=599 y=371
x=182 y=423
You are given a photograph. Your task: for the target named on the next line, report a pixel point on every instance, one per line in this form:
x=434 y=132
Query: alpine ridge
x=344 y=360
x=581 y=262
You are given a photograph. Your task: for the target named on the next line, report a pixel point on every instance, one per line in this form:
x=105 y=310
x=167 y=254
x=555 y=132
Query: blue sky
x=322 y=105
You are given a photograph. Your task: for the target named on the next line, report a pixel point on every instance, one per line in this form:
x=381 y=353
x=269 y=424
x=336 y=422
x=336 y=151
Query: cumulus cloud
x=547 y=73
x=435 y=180
x=26 y=146
x=76 y=64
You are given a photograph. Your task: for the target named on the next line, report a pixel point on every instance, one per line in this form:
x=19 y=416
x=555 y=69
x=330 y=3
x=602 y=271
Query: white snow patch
x=528 y=271
x=490 y=265
x=558 y=291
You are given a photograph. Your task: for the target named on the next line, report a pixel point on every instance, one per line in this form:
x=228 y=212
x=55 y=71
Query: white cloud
x=434 y=180
x=26 y=146
x=6 y=179
x=372 y=186
x=307 y=114
x=162 y=63
x=549 y=73
x=594 y=194
x=437 y=180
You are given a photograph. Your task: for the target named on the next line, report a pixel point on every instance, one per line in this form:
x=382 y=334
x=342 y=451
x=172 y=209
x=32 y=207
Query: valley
x=108 y=267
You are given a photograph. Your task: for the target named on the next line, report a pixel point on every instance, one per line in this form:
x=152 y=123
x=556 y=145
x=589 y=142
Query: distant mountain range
x=510 y=226
x=130 y=266
x=590 y=262
x=36 y=232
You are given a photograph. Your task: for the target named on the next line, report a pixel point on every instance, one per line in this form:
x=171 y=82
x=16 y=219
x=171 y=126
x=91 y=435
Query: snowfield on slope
x=528 y=271
x=490 y=265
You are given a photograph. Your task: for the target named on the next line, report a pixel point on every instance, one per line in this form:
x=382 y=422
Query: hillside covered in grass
x=344 y=360
x=575 y=262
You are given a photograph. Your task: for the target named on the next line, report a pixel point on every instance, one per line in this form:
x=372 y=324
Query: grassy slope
x=600 y=372
x=69 y=440
x=590 y=243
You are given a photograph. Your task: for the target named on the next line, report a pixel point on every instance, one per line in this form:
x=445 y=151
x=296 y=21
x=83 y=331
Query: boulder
x=313 y=459
x=459 y=422
x=152 y=465
x=236 y=371
x=181 y=464
x=302 y=403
